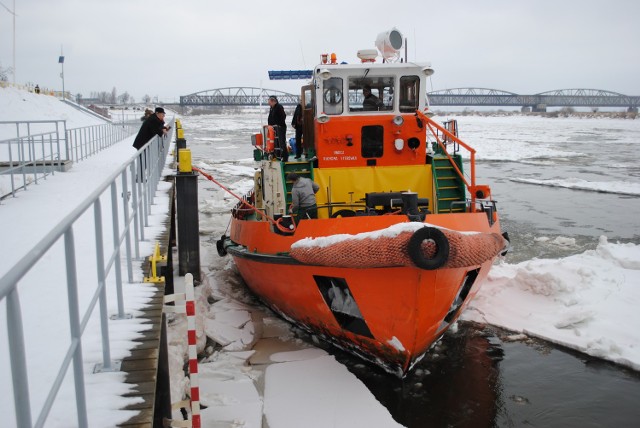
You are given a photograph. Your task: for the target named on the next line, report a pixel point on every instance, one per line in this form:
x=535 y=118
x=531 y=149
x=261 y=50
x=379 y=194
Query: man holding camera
x=153 y=125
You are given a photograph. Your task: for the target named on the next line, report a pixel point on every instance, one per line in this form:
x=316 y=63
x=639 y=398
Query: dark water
x=476 y=377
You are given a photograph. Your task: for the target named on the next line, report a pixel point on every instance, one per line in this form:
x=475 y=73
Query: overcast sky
x=170 y=48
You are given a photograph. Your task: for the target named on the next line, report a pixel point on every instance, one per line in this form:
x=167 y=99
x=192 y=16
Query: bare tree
x=4 y=73
x=124 y=98
x=146 y=99
x=114 y=96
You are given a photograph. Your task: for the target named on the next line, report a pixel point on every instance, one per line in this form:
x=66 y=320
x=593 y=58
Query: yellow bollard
x=184 y=160
x=154 y=259
x=180 y=133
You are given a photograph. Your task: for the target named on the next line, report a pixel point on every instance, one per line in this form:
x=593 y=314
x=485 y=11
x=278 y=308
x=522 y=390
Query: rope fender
x=427 y=248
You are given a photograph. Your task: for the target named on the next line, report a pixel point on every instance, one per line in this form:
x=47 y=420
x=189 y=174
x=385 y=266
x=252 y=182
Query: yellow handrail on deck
x=470 y=186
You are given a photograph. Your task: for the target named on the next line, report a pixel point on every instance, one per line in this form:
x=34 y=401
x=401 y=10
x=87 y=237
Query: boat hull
x=388 y=315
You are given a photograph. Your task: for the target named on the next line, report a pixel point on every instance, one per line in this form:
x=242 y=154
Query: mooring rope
x=277 y=223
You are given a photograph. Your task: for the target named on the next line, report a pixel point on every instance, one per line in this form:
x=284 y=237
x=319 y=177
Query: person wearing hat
x=152 y=126
x=370 y=101
x=277 y=117
x=303 y=196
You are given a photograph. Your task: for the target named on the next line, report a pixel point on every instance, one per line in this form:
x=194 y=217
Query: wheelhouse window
x=371 y=93
x=409 y=94
x=307 y=97
x=332 y=96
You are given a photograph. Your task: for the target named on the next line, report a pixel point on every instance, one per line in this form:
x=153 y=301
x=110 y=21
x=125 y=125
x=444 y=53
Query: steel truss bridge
x=248 y=96
x=557 y=98
x=237 y=96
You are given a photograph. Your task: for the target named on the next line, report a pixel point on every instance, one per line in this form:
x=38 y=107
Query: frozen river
x=556 y=180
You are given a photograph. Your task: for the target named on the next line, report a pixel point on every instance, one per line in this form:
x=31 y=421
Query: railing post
x=83 y=146
x=116 y=244
x=13 y=184
x=146 y=203
x=136 y=210
x=127 y=223
x=140 y=181
x=74 y=325
x=21 y=159
x=18 y=357
x=104 y=316
x=75 y=144
x=51 y=157
x=32 y=157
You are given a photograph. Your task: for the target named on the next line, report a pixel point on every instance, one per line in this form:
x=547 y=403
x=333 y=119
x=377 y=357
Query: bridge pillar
x=632 y=110
x=525 y=109
x=540 y=108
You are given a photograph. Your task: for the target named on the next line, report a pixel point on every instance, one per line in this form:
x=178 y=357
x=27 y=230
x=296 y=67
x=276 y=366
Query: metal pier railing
x=34 y=154
x=139 y=178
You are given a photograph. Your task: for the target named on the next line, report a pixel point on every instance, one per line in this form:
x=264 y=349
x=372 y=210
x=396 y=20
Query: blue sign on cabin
x=290 y=74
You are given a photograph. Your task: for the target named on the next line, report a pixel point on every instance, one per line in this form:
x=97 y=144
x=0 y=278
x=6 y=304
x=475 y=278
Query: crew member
x=303 y=196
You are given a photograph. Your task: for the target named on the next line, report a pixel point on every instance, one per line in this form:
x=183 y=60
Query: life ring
x=271 y=139
x=414 y=248
x=343 y=213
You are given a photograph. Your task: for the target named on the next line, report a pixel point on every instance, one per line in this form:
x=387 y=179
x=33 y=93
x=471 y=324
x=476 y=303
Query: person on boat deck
x=370 y=101
x=296 y=122
x=303 y=196
x=278 y=117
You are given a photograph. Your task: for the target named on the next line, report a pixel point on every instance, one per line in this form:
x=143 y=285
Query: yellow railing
x=155 y=259
x=471 y=186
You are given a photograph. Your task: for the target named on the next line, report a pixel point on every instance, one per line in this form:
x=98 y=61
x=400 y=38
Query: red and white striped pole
x=193 y=353
x=190 y=308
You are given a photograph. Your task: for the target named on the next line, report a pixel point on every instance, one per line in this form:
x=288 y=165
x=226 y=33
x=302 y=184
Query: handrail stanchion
x=136 y=210
x=142 y=176
x=116 y=244
x=127 y=224
x=74 y=326
x=18 y=357
x=104 y=316
x=22 y=160
x=13 y=182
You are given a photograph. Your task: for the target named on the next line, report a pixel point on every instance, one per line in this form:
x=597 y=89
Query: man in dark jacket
x=277 y=117
x=153 y=125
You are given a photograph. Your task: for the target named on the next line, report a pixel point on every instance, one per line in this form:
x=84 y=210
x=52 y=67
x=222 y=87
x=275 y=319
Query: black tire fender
x=415 y=251
x=343 y=213
x=220 y=246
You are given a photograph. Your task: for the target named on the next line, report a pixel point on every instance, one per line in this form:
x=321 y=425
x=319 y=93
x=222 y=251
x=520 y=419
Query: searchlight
x=389 y=44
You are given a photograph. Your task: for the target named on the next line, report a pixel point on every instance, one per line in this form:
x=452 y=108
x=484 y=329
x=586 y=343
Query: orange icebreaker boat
x=403 y=238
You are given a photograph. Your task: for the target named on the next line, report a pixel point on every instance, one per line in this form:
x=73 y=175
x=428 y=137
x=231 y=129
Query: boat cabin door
x=308 y=102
